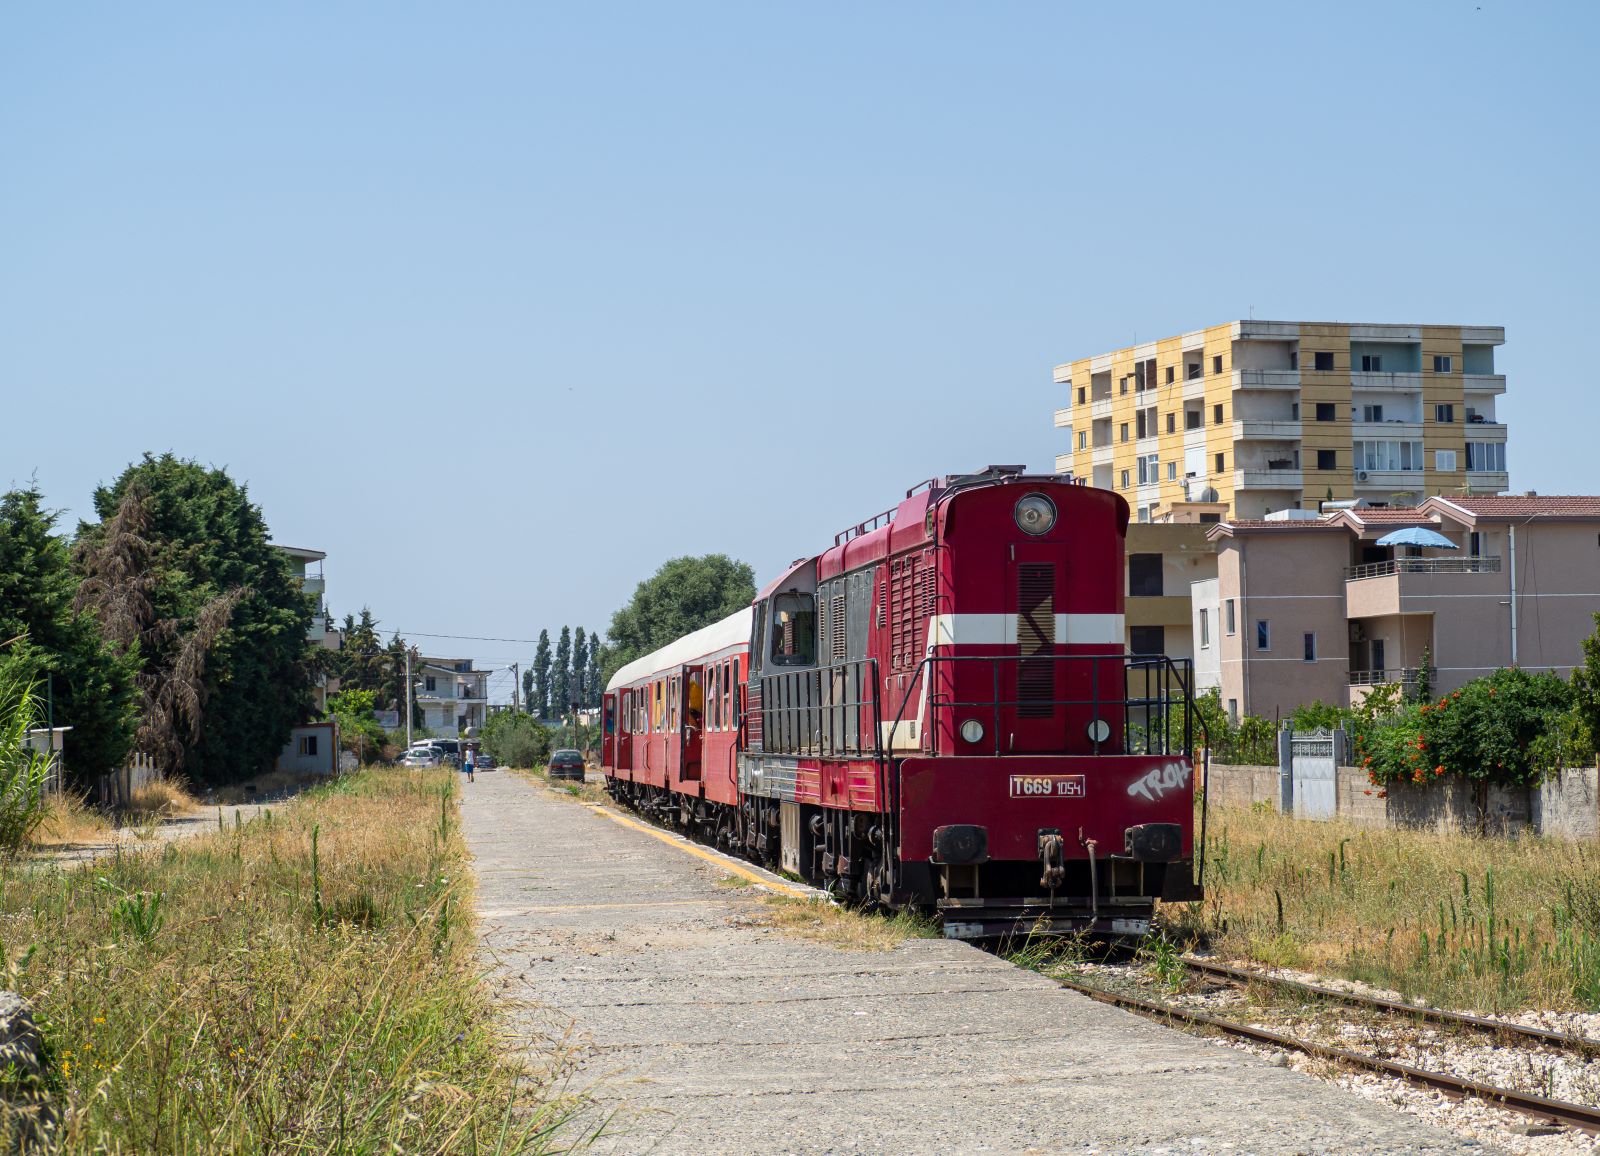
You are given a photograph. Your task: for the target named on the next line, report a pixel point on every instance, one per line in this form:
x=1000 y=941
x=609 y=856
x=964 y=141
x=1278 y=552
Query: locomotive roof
x=730 y=631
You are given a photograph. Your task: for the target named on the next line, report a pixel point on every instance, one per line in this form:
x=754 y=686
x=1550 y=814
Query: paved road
x=706 y=1034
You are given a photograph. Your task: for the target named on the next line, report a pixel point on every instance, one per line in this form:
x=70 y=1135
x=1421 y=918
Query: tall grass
x=301 y=983
x=23 y=771
x=1483 y=923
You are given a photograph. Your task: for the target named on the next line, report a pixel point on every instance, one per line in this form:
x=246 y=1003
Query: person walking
x=467 y=763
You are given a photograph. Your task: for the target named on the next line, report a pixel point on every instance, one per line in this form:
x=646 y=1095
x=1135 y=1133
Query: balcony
x=1266 y=429
x=313 y=584
x=1271 y=477
x=1064 y=418
x=1101 y=455
x=1406 y=676
x=1063 y=463
x=1388 y=382
x=1484 y=382
x=1488 y=481
x=1266 y=379
x=1414 y=585
x=1100 y=408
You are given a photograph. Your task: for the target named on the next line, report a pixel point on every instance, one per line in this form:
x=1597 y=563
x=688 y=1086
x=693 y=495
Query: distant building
x=1307 y=608
x=451 y=696
x=307 y=566
x=1250 y=417
x=1162 y=562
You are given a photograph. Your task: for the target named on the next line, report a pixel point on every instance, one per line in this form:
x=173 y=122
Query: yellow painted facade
x=1277 y=423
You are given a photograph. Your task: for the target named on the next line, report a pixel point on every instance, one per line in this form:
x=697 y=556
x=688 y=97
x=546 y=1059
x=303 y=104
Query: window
x=794 y=630
x=1294 y=411
x=1233 y=711
x=1205 y=629
x=1475 y=544
x=429 y=684
x=1172 y=423
x=733 y=696
x=1124 y=431
x=1194 y=370
x=1388 y=455
x=307 y=745
x=1294 y=359
x=1327 y=411
x=1371 y=363
x=1221 y=459
x=1310 y=642
x=1144 y=513
x=1122 y=384
x=1444 y=461
x=1216 y=414
x=1487 y=457
x=1212 y=518
x=1216 y=363
x=1444 y=414
x=1192 y=419
x=1124 y=479
x=1263 y=634
x=1083 y=439
x=1372 y=413
x=1081 y=392
x=1142 y=425
x=1144 y=575
x=1441 y=364
x=1149 y=470
x=1227 y=616
x=1322 y=360
x=1147 y=639
x=1172 y=471
x=1327 y=459
x=1171 y=373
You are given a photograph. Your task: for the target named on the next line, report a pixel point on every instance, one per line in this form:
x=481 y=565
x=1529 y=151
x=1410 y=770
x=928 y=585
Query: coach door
x=1033 y=683
x=624 y=722
x=692 y=723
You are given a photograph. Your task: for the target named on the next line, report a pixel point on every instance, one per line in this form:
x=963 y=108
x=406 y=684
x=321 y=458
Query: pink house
x=1313 y=609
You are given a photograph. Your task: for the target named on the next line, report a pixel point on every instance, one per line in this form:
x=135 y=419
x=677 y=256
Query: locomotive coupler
x=1052 y=856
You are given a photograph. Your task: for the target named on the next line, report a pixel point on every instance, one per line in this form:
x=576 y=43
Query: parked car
x=421 y=757
x=485 y=761
x=566 y=764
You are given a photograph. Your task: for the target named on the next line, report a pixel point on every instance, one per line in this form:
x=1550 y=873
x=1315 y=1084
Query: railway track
x=1579 y=1116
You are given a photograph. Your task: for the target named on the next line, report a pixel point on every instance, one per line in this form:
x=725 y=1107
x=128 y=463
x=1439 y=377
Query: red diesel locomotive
x=936 y=713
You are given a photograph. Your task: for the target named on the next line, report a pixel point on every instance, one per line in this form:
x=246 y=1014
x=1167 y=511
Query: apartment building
x=1163 y=563
x=1309 y=608
x=1251 y=417
x=307 y=568
x=451 y=696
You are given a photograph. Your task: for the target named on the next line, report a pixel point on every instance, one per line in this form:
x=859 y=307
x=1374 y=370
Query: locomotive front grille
x=1036 y=639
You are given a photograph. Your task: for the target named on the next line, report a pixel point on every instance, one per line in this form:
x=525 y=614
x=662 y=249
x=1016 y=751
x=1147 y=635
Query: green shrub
x=516 y=740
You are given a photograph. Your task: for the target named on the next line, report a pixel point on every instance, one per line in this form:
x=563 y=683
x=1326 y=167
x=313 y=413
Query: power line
x=466 y=637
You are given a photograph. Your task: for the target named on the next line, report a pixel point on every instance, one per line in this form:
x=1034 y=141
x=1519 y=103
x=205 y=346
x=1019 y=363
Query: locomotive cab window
x=794 y=630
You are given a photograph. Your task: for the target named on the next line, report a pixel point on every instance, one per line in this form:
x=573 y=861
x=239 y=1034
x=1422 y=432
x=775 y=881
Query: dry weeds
x=843 y=927
x=1482 y=923
x=71 y=822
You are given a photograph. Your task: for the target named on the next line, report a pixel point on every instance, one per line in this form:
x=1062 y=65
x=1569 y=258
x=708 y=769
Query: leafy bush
x=516 y=740
x=358 y=726
x=22 y=770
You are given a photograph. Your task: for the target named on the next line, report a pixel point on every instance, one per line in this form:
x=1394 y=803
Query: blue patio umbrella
x=1417 y=536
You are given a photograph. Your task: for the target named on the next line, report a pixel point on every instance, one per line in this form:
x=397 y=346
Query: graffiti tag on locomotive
x=936 y=713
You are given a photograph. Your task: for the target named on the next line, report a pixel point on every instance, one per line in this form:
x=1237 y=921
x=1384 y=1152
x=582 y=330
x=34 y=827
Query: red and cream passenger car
x=937 y=712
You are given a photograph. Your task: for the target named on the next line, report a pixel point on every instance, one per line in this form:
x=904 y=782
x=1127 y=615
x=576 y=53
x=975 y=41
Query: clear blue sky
x=504 y=304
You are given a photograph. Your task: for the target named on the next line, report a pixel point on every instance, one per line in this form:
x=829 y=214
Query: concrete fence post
x=1286 y=770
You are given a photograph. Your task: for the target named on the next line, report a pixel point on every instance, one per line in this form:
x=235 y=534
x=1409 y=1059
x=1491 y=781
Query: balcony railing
x=1266 y=378
x=1486 y=565
x=1406 y=676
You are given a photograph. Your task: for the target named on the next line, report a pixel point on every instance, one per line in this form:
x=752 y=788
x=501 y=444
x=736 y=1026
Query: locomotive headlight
x=972 y=731
x=1099 y=731
x=1035 y=514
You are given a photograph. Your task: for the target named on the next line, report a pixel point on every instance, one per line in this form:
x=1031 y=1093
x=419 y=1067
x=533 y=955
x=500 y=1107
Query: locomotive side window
x=794 y=630
x=733 y=692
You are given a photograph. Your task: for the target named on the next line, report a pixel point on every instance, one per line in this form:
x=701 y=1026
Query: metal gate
x=1311 y=765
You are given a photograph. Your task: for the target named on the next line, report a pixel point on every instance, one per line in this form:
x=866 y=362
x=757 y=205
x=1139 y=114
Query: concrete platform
x=703 y=1033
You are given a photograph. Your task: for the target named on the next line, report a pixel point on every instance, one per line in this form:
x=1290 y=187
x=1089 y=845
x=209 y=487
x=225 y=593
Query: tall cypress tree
x=541 y=677
x=561 y=677
x=596 y=687
x=88 y=682
x=580 y=667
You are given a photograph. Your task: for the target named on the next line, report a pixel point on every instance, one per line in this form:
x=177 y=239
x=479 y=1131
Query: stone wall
x=1241 y=786
x=1568 y=806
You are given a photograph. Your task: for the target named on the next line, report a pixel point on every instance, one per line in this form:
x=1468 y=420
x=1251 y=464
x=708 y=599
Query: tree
x=580 y=666
x=561 y=677
x=592 y=680
x=515 y=740
x=182 y=564
x=362 y=663
x=541 y=677
x=527 y=690
x=393 y=691
x=358 y=726
x=1586 y=688
x=87 y=682
x=682 y=596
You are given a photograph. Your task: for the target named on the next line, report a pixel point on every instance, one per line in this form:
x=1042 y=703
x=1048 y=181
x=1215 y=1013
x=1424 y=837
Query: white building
x=451 y=696
x=307 y=566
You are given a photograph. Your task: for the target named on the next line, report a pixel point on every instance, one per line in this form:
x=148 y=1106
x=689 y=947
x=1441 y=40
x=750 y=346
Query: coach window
x=794 y=630
x=733 y=695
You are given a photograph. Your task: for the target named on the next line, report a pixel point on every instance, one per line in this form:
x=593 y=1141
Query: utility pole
x=516 y=688
x=408 y=689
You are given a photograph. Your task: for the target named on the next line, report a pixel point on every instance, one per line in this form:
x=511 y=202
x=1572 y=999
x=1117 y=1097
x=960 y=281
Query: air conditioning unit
x=1361 y=475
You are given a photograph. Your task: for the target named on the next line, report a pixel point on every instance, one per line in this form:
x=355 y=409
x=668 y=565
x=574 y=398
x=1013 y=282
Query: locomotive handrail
x=786 y=725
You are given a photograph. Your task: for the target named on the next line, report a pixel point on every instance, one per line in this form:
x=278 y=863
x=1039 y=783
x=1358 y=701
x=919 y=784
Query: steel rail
x=1576 y=1115
x=1431 y=1015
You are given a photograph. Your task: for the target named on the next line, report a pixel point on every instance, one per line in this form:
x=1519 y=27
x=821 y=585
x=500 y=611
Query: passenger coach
x=936 y=713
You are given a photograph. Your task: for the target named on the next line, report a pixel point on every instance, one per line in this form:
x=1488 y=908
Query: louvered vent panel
x=836 y=634
x=1036 y=639
x=883 y=603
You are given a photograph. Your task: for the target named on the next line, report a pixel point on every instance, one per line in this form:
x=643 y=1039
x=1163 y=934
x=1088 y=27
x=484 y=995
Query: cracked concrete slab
x=702 y=1031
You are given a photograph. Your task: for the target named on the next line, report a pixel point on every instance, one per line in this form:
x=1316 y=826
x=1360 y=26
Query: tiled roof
x=1260 y=525
x=1578 y=507
x=1406 y=515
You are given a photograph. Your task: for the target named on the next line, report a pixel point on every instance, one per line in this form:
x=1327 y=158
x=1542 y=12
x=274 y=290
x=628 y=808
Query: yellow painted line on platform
x=701 y=853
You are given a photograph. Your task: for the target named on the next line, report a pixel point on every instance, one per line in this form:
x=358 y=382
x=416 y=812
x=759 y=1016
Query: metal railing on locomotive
x=816 y=712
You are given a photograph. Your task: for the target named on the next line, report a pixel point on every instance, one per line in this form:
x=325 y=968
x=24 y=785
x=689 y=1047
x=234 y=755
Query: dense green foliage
x=516 y=740
x=358 y=727
x=539 y=702
x=22 y=769
x=682 y=596
x=90 y=683
x=208 y=571
x=1586 y=691
x=1251 y=740
x=561 y=678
